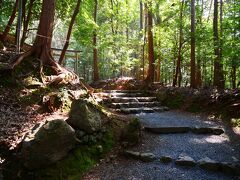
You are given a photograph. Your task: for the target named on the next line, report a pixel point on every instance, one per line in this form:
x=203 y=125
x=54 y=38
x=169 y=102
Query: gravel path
x=222 y=148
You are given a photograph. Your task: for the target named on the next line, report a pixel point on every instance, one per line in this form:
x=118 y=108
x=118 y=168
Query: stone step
x=140 y=110
x=122 y=91
x=135 y=104
x=130 y=99
x=195 y=130
x=125 y=94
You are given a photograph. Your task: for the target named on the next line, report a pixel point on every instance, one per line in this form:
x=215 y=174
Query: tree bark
x=218 y=80
x=75 y=13
x=27 y=21
x=193 y=46
x=177 y=77
x=10 y=22
x=95 y=51
x=151 y=67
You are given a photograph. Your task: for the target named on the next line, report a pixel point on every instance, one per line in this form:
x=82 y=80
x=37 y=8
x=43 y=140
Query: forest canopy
x=181 y=43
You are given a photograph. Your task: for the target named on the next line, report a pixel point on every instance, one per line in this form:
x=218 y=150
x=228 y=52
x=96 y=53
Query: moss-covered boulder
x=132 y=132
x=84 y=116
x=47 y=143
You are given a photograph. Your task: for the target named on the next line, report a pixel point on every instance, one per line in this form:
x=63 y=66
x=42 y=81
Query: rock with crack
x=47 y=143
x=84 y=116
x=185 y=160
x=209 y=164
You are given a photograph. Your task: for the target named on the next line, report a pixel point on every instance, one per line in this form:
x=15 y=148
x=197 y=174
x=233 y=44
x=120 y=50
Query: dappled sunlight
x=213 y=139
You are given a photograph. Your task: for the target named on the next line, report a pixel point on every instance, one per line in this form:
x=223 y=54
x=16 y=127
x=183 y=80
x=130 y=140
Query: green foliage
x=235 y=122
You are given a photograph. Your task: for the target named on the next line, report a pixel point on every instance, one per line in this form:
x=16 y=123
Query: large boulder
x=47 y=143
x=84 y=116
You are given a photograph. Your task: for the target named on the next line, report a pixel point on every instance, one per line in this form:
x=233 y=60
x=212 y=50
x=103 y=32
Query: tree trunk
x=141 y=15
x=200 y=58
x=234 y=75
x=144 y=39
x=193 y=46
x=10 y=22
x=218 y=74
x=75 y=13
x=177 y=76
x=26 y=21
x=95 y=52
x=151 y=68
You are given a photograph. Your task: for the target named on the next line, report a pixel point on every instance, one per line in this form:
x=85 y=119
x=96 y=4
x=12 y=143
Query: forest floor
x=220 y=148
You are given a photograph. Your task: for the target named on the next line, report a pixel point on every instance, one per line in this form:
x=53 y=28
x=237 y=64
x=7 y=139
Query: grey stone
x=84 y=116
x=147 y=157
x=209 y=164
x=185 y=160
x=166 y=159
x=132 y=154
x=167 y=130
x=207 y=130
x=47 y=143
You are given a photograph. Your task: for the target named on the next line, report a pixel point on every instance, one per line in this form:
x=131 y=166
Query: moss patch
x=79 y=161
x=132 y=132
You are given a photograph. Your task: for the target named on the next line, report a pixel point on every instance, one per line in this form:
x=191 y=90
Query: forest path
x=220 y=147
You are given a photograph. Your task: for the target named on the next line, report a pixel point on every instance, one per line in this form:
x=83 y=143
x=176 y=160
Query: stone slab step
x=195 y=130
x=122 y=91
x=125 y=94
x=131 y=99
x=140 y=110
x=135 y=104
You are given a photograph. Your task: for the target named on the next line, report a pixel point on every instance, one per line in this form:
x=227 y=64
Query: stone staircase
x=131 y=102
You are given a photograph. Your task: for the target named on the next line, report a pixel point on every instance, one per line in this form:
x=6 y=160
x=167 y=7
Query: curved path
x=221 y=148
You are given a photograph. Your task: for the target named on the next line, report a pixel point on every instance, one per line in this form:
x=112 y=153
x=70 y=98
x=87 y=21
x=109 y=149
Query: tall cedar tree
x=178 y=75
x=151 y=67
x=218 y=79
x=3 y=36
x=75 y=13
x=193 y=72
x=95 y=52
x=26 y=19
x=41 y=48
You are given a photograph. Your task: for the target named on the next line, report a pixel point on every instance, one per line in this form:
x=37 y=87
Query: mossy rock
x=84 y=116
x=132 y=132
x=47 y=143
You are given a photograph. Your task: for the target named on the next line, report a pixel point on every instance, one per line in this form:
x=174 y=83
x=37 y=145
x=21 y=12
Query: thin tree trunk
x=95 y=53
x=141 y=15
x=193 y=46
x=199 y=59
x=218 y=74
x=177 y=76
x=10 y=22
x=234 y=75
x=26 y=21
x=75 y=13
x=151 y=68
x=144 y=40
